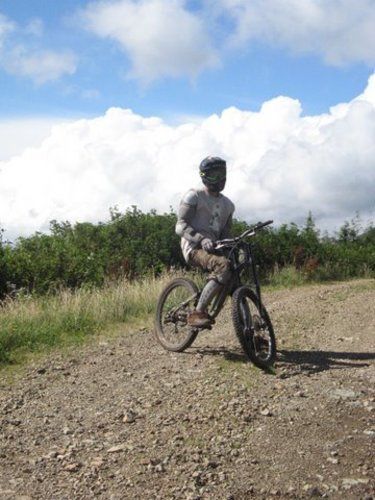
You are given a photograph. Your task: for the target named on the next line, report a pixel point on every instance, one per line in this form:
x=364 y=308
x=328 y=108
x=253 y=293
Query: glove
x=207 y=244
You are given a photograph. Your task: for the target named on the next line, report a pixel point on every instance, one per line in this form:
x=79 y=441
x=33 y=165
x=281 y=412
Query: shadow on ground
x=235 y=356
x=295 y=360
x=317 y=361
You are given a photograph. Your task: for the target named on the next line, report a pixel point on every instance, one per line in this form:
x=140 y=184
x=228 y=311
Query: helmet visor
x=214 y=175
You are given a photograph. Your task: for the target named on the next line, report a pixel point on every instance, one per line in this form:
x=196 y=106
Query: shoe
x=199 y=318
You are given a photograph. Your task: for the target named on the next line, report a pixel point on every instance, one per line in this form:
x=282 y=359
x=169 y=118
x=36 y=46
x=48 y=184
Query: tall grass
x=35 y=323
x=289 y=276
x=30 y=323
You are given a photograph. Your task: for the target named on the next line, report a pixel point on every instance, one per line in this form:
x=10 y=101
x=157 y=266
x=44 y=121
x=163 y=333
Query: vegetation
x=79 y=279
x=136 y=244
x=32 y=323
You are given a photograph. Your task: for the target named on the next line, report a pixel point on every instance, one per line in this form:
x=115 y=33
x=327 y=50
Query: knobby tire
x=162 y=329
x=247 y=340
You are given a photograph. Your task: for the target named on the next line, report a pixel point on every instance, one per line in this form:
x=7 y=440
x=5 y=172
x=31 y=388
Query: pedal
x=201 y=328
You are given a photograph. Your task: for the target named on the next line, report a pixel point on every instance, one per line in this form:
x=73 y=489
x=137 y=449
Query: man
x=204 y=216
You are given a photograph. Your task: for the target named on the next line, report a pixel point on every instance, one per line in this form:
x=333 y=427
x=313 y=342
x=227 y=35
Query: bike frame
x=235 y=245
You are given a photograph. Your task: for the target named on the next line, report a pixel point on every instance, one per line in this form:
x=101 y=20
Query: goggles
x=214 y=176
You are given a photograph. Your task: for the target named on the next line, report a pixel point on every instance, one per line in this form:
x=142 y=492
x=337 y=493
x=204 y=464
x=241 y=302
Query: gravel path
x=126 y=419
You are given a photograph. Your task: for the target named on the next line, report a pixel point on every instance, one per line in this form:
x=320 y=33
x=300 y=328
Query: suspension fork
x=256 y=280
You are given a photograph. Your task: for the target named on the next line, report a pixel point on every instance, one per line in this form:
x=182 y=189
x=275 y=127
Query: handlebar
x=249 y=232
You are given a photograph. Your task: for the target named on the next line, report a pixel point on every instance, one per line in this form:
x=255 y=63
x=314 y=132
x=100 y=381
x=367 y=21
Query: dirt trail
x=125 y=419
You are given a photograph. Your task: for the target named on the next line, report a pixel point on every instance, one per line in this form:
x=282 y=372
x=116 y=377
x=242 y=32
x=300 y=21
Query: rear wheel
x=176 y=301
x=253 y=327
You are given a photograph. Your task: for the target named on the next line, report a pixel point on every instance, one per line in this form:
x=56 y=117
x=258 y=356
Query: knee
x=222 y=270
x=224 y=277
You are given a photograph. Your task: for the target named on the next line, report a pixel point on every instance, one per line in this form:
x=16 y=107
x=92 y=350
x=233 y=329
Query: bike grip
x=262 y=224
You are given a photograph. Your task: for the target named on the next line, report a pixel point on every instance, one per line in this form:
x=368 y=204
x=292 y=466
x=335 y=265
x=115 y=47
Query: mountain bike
x=251 y=321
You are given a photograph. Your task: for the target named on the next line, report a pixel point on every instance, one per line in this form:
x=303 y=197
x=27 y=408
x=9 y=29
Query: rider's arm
x=186 y=213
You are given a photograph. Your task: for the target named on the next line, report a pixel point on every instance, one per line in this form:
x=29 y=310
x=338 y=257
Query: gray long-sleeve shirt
x=202 y=215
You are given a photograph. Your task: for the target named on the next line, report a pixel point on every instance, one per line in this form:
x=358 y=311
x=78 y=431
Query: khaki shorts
x=217 y=265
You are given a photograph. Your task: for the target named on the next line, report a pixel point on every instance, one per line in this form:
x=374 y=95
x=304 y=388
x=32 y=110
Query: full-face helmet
x=213 y=172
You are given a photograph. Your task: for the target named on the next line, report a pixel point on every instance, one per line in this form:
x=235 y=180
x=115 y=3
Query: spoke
x=178 y=305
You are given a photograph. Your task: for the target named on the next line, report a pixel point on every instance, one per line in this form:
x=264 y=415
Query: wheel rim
x=176 y=307
x=256 y=330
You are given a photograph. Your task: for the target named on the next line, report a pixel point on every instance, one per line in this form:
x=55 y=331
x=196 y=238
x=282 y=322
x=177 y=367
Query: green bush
x=135 y=244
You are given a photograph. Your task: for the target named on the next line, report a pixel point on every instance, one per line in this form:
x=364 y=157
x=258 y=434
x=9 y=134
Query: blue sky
x=246 y=78
x=185 y=62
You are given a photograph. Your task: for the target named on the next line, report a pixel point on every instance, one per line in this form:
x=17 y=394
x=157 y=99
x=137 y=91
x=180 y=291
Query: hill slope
x=125 y=419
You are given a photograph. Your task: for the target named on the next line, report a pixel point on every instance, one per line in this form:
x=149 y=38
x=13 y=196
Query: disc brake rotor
x=257 y=323
x=261 y=340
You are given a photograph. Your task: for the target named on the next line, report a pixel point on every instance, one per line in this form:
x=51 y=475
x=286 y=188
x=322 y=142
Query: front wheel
x=176 y=301
x=253 y=327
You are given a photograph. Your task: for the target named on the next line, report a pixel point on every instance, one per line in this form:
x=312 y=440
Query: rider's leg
x=211 y=288
x=220 y=274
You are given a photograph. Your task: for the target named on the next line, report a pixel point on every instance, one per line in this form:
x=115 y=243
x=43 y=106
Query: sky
x=115 y=103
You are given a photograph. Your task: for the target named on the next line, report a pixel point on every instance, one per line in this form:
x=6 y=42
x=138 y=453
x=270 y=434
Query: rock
x=344 y=394
x=347 y=482
x=97 y=462
x=314 y=492
x=154 y=461
x=16 y=422
x=117 y=449
x=266 y=412
x=129 y=417
x=275 y=493
x=210 y=464
x=222 y=476
x=72 y=467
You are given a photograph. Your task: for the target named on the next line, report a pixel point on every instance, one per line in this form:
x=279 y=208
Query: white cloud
x=280 y=164
x=6 y=27
x=40 y=65
x=341 y=31
x=35 y=27
x=21 y=58
x=17 y=134
x=161 y=38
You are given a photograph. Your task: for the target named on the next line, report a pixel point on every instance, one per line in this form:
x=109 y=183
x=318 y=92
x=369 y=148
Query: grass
x=287 y=277
x=245 y=373
x=290 y=277
x=34 y=324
